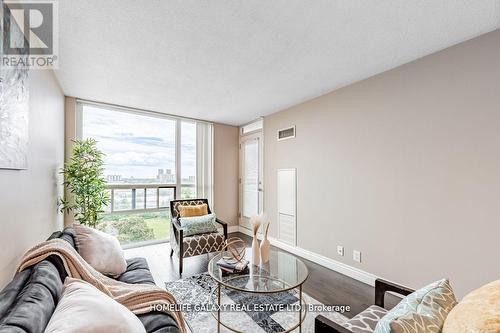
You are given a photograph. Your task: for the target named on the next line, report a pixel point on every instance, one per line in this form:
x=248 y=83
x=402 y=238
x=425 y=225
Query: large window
x=138 y=148
x=188 y=160
x=150 y=159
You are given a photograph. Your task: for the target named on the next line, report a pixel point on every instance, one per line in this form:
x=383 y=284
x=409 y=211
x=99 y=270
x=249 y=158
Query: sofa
x=365 y=321
x=432 y=308
x=29 y=300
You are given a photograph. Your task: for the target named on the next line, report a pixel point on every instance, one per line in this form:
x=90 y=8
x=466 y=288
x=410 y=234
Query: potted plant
x=83 y=180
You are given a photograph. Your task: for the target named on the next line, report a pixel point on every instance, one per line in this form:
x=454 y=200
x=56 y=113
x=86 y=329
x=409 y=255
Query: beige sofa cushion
x=100 y=250
x=84 y=309
x=478 y=312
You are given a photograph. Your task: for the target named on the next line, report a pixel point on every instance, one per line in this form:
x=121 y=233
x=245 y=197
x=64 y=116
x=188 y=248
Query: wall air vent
x=286 y=133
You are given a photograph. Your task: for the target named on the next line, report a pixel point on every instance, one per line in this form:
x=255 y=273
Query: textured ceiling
x=232 y=61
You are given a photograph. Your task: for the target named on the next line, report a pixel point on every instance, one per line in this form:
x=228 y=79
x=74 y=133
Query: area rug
x=195 y=295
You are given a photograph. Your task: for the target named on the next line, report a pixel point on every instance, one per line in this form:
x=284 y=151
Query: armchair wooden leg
x=171 y=252
x=180 y=265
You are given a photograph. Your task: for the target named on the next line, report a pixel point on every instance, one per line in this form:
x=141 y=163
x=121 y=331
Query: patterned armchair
x=365 y=321
x=197 y=244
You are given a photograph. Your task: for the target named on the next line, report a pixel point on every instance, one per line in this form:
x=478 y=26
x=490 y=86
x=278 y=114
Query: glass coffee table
x=284 y=272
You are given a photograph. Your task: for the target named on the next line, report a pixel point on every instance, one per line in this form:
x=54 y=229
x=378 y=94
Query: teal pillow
x=198 y=224
x=425 y=310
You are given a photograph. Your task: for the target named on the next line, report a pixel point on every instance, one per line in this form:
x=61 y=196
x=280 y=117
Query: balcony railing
x=138 y=198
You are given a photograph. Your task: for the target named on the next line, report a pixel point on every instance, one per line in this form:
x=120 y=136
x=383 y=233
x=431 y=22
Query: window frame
x=79 y=113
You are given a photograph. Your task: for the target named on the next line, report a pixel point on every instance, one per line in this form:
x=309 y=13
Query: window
x=188 y=160
x=138 y=148
x=144 y=168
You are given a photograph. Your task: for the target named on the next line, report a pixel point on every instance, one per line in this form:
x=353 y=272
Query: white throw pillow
x=84 y=309
x=100 y=250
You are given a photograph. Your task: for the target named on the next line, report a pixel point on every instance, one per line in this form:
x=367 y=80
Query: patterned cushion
x=202 y=244
x=198 y=224
x=365 y=321
x=197 y=244
x=416 y=323
x=425 y=310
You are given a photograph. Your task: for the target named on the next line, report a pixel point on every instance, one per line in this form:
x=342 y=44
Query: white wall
x=404 y=166
x=28 y=199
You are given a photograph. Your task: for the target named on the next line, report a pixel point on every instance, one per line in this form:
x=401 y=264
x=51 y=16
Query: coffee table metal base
x=217 y=315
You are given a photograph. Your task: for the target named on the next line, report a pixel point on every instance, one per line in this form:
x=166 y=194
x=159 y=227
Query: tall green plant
x=83 y=180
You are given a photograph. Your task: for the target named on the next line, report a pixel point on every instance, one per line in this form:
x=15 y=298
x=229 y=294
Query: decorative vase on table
x=265 y=246
x=256 y=221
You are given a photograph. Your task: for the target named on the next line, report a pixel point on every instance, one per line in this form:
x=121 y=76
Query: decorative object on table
x=232 y=266
x=252 y=321
x=256 y=220
x=265 y=245
x=233 y=256
x=199 y=244
x=234 y=249
x=14 y=107
x=84 y=183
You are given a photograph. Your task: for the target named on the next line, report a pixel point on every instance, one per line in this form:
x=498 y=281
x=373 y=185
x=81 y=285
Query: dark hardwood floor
x=323 y=284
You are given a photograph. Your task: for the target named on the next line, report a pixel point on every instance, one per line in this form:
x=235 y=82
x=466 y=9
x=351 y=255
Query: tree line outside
x=141 y=227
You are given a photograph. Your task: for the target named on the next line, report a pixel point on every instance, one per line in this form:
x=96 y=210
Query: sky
x=138 y=145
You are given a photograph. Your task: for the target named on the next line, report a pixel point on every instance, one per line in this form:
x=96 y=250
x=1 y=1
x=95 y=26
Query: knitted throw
x=138 y=298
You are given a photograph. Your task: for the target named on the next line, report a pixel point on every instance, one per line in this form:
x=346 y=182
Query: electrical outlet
x=356 y=256
x=340 y=250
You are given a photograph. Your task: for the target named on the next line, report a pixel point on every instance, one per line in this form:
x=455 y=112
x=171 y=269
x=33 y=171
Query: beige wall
x=28 y=200
x=404 y=166
x=226 y=165
x=69 y=135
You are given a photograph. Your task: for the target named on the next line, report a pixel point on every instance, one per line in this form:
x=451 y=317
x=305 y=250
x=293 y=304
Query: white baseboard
x=319 y=259
x=334 y=265
x=245 y=231
x=233 y=228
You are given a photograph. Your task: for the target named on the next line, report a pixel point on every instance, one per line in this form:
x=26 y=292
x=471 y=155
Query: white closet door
x=287 y=205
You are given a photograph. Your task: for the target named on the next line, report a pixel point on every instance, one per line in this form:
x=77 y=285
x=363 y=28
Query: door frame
x=259 y=135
